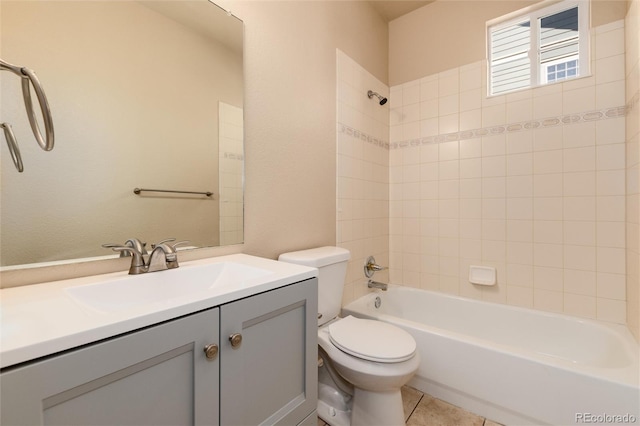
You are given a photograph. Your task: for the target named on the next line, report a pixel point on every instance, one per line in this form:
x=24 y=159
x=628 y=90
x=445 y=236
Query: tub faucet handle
x=370 y=267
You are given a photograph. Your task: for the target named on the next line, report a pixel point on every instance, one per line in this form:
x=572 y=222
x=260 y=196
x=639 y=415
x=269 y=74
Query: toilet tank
x=332 y=266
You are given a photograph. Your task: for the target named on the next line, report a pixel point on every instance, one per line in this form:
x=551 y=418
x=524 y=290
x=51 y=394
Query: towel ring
x=45 y=143
x=29 y=78
x=13 y=146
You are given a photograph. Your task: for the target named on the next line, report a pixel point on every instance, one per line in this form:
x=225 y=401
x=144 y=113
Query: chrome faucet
x=163 y=256
x=377 y=284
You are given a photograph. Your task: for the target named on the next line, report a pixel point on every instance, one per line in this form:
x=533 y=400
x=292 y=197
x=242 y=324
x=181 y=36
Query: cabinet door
x=156 y=376
x=271 y=376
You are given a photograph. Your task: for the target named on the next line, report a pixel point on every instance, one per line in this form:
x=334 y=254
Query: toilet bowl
x=363 y=363
x=376 y=365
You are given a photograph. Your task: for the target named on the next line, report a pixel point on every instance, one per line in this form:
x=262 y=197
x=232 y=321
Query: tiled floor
x=424 y=410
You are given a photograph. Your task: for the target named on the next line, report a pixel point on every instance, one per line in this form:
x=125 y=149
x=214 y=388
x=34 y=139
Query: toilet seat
x=372 y=340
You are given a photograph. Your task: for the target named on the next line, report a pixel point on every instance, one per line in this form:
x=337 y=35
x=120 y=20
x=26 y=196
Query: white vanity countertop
x=43 y=319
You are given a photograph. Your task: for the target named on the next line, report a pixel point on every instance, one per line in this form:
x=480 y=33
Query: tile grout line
x=415 y=406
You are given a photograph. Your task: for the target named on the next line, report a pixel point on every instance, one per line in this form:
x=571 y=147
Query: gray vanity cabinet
x=161 y=375
x=155 y=376
x=271 y=376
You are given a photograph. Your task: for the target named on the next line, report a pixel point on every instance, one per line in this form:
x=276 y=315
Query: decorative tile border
x=233 y=156
x=516 y=127
x=560 y=120
x=355 y=133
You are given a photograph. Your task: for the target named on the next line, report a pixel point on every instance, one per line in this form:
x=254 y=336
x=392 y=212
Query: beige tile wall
x=363 y=172
x=632 y=31
x=532 y=183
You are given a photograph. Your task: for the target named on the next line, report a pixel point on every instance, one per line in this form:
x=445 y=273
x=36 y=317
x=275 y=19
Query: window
x=560 y=70
x=538 y=47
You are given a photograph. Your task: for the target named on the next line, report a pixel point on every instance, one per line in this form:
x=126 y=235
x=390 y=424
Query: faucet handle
x=131 y=251
x=137 y=244
x=179 y=243
x=169 y=249
x=171 y=253
x=137 y=262
x=370 y=266
x=131 y=242
x=167 y=240
x=123 y=253
x=165 y=248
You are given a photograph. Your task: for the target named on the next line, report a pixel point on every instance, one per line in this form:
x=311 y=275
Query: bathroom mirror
x=144 y=94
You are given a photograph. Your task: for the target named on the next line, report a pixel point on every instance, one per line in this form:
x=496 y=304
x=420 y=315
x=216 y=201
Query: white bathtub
x=514 y=365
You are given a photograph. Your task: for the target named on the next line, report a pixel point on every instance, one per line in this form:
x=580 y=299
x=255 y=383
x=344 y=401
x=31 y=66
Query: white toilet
x=364 y=363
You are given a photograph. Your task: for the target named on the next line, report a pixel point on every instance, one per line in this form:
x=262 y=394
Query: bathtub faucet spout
x=376 y=284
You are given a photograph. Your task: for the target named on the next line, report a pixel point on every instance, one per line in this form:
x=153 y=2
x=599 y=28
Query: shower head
x=382 y=99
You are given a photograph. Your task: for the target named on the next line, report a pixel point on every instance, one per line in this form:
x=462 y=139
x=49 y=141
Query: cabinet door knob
x=236 y=340
x=211 y=351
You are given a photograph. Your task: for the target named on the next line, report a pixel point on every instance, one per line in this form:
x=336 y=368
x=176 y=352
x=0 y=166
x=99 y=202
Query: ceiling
x=392 y=9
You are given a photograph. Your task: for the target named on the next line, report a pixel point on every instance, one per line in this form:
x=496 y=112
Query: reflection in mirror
x=145 y=94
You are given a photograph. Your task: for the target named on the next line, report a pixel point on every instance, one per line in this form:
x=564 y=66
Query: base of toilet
x=377 y=408
x=366 y=409
x=332 y=416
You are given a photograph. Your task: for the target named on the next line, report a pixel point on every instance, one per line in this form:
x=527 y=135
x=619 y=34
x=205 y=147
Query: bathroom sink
x=42 y=319
x=132 y=291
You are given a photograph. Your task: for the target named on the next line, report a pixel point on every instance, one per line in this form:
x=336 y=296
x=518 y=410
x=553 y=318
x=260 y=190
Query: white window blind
x=510 y=63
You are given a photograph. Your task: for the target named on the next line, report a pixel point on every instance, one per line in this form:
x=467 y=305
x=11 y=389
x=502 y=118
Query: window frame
x=534 y=14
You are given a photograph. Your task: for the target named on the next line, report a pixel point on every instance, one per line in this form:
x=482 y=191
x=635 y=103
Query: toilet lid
x=372 y=340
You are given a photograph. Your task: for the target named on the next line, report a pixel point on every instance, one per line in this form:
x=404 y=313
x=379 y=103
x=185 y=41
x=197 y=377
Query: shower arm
x=382 y=99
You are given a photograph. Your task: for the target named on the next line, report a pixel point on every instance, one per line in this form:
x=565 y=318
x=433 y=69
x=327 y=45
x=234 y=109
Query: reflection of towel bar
x=139 y=190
